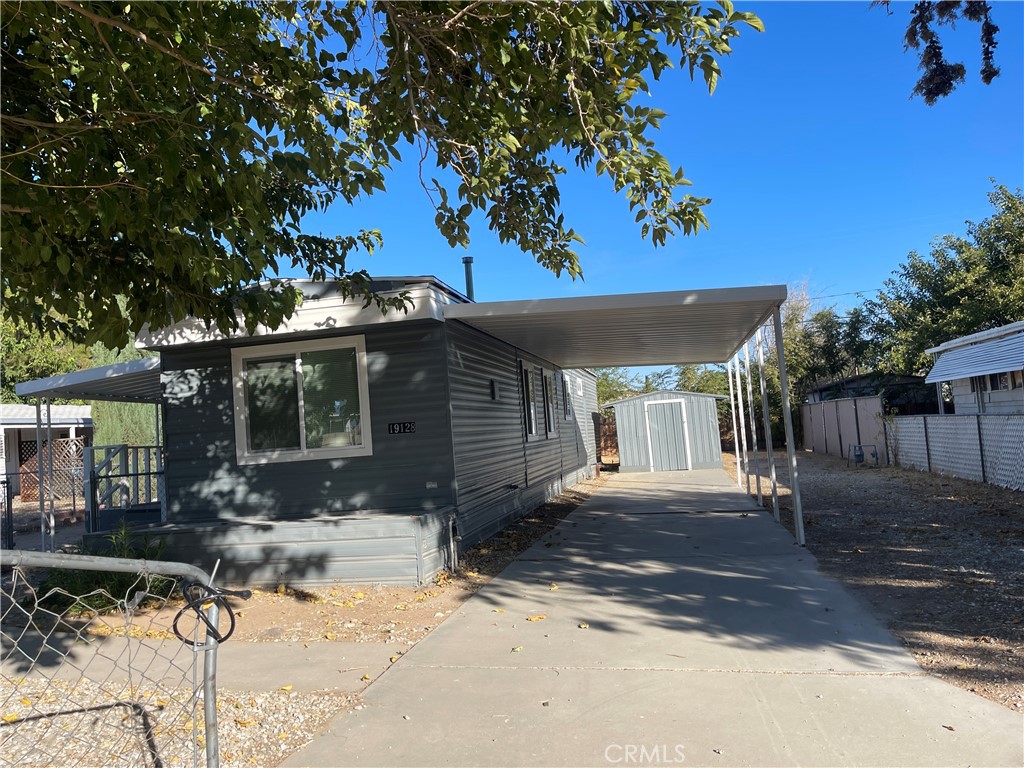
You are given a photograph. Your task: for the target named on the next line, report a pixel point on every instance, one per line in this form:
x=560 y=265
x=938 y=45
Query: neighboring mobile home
x=18 y=433
x=985 y=371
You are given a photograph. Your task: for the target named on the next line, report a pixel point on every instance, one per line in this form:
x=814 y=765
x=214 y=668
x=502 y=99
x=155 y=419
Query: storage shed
x=667 y=430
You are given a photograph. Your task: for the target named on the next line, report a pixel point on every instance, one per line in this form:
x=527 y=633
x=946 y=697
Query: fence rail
x=986 y=447
x=122 y=477
x=95 y=672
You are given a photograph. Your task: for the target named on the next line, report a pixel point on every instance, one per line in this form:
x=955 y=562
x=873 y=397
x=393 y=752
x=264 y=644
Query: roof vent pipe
x=468 y=263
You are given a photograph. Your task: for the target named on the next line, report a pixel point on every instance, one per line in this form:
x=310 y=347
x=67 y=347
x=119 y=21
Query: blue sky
x=820 y=167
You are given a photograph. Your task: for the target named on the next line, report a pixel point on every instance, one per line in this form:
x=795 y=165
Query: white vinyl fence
x=989 y=448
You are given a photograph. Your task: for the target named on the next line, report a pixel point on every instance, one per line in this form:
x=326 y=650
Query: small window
x=999 y=381
x=550 y=423
x=529 y=401
x=300 y=401
x=579 y=387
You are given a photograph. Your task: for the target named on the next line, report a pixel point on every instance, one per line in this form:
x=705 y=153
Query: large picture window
x=303 y=400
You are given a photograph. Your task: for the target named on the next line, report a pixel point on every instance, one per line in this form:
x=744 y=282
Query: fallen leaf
x=26 y=702
x=394 y=659
x=538 y=617
x=10 y=718
x=365 y=678
x=329 y=635
x=553 y=586
x=517 y=649
x=359 y=595
x=400 y=607
x=244 y=723
x=285 y=688
x=583 y=625
x=498 y=610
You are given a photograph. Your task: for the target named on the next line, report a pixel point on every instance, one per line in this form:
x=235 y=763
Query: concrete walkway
x=681 y=625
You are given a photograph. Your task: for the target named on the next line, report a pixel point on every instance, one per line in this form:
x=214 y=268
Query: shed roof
x=645 y=395
x=997 y=355
x=24 y=414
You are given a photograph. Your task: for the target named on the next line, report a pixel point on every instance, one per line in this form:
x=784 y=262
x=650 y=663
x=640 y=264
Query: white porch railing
x=122 y=477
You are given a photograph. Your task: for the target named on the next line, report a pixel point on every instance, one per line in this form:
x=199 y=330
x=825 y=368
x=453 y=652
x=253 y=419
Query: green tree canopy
x=25 y=355
x=964 y=285
x=157 y=158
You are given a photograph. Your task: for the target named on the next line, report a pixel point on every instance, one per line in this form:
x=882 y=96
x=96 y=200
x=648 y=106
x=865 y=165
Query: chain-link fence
x=6 y=515
x=107 y=661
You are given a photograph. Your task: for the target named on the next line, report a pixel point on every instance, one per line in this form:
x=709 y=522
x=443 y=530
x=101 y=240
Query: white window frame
x=567 y=396
x=528 y=384
x=548 y=389
x=240 y=355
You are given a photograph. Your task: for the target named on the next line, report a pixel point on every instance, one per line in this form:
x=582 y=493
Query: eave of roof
x=997 y=355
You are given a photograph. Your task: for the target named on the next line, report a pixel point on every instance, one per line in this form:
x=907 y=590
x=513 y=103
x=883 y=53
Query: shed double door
x=666 y=431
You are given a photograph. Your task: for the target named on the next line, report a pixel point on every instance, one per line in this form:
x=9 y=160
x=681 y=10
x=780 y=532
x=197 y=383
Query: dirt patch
x=939 y=560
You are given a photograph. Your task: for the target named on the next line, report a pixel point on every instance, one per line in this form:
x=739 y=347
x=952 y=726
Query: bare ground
x=938 y=559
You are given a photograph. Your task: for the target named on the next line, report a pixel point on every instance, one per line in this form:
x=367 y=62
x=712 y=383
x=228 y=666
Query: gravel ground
x=939 y=560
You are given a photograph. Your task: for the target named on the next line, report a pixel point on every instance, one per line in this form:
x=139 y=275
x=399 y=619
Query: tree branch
x=162 y=48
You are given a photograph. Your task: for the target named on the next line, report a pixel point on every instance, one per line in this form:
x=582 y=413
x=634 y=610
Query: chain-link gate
x=106 y=661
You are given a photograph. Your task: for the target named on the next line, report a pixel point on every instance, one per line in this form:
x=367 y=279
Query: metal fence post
x=927 y=448
x=981 y=448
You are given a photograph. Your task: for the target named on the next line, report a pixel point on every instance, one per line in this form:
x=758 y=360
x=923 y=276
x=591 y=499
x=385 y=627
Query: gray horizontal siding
x=487 y=434
x=500 y=475
x=392 y=549
x=406 y=375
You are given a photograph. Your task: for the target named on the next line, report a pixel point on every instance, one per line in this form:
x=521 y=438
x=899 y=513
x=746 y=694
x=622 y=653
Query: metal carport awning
x=135 y=381
x=671 y=327
x=705 y=326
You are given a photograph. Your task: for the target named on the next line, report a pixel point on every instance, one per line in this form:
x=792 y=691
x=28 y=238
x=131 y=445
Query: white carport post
x=45 y=525
x=743 y=418
x=39 y=474
x=753 y=423
x=787 y=418
x=735 y=434
x=52 y=520
x=767 y=427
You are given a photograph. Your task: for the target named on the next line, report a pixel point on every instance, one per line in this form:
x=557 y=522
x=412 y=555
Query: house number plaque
x=401 y=427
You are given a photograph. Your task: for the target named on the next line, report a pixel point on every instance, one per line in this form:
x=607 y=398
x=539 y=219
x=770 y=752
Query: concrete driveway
x=680 y=625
